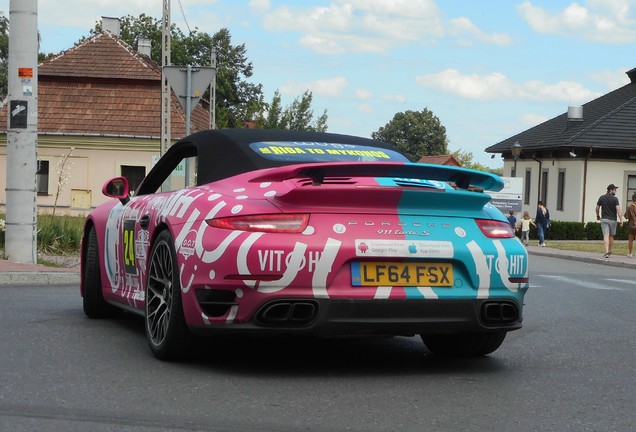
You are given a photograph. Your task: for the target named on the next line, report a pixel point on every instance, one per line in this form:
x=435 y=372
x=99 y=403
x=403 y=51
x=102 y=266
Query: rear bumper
x=388 y=317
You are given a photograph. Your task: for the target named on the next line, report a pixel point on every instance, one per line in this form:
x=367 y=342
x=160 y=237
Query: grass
x=620 y=247
x=57 y=235
x=49 y=263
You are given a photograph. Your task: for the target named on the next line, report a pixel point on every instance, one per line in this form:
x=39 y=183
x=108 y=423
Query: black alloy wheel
x=166 y=330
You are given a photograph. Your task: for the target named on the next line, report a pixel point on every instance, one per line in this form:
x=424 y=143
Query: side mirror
x=117 y=188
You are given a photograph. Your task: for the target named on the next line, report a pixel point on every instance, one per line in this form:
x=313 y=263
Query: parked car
x=283 y=232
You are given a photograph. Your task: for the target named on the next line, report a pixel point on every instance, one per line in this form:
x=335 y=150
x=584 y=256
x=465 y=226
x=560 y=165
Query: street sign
x=201 y=78
x=509 y=198
x=18 y=114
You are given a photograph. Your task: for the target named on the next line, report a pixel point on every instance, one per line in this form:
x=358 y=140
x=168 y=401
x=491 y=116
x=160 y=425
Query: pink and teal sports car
x=279 y=232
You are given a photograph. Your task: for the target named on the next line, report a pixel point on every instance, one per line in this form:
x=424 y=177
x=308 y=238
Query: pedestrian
x=513 y=220
x=542 y=219
x=608 y=209
x=525 y=227
x=630 y=217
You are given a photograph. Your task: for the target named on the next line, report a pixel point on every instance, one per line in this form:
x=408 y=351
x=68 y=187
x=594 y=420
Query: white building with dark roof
x=569 y=160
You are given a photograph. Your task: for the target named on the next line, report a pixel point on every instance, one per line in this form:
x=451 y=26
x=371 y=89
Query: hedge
x=562 y=230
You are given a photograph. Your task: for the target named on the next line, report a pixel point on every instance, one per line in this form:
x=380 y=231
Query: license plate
x=372 y=273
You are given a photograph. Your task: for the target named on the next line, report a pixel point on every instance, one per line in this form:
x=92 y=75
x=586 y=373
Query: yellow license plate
x=368 y=273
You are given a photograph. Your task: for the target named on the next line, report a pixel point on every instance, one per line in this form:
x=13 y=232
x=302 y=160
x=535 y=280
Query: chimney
x=111 y=25
x=632 y=75
x=575 y=113
x=143 y=46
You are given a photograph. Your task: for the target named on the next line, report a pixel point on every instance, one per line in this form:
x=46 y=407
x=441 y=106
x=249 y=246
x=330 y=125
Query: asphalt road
x=571 y=368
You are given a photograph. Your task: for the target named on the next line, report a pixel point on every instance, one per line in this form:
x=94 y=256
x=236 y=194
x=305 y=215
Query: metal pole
x=188 y=108
x=213 y=91
x=22 y=133
x=166 y=131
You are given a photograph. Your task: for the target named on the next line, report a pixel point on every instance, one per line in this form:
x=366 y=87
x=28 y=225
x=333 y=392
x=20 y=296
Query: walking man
x=607 y=210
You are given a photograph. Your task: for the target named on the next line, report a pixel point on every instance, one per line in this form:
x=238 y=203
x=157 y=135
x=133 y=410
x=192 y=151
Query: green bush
x=562 y=230
x=63 y=234
x=56 y=234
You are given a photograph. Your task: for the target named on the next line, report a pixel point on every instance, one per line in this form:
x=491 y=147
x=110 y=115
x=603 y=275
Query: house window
x=134 y=175
x=527 y=186
x=631 y=187
x=42 y=177
x=560 y=189
x=544 y=187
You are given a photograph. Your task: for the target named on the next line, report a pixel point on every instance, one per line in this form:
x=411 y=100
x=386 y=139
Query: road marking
x=625 y=281
x=590 y=285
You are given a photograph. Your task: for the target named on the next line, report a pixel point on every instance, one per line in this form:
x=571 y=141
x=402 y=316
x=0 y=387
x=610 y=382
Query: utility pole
x=213 y=90
x=22 y=132
x=166 y=131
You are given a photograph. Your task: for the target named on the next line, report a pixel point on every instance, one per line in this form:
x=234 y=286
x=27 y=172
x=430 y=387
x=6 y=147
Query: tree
x=63 y=172
x=466 y=160
x=237 y=100
x=415 y=134
x=297 y=116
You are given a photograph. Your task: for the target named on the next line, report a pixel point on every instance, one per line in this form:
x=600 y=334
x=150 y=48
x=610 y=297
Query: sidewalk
x=593 y=258
x=14 y=273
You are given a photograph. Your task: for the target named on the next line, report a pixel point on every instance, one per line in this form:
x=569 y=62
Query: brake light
x=495 y=229
x=273 y=223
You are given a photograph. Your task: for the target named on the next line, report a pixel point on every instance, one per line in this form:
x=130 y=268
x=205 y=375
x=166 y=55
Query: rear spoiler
x=462 y=177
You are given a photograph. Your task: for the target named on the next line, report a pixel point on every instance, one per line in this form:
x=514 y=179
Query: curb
x=588 y=258
x=39 y=278
x=42 y=278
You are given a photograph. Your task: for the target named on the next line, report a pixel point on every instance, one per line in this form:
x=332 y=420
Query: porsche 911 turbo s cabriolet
x=245 y=231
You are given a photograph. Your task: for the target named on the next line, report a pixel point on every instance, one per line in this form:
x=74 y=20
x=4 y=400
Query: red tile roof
x=440 y=160
x=103 y=87
x=102 y=56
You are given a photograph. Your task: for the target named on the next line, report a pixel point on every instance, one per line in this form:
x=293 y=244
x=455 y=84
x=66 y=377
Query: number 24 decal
x=129 y=246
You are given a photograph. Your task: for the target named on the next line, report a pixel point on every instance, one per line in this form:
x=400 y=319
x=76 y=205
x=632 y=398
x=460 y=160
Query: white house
x=568 y=161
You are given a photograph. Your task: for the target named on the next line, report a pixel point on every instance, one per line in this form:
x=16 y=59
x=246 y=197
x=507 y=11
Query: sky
x=487 y=69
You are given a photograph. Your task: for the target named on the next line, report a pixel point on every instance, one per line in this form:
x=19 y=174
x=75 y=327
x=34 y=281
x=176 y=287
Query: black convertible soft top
x=226 y=152
x=223 y=153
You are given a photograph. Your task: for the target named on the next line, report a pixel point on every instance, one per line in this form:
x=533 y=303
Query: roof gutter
x=587 y=158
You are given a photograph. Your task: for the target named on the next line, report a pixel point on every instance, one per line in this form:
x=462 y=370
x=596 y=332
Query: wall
x=92 y=162
x=579 y=199
x=600 y=176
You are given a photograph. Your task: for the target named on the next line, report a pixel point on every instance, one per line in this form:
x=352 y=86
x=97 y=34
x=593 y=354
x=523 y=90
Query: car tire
x=166 y=329
x=464 y=344
x=93 y=300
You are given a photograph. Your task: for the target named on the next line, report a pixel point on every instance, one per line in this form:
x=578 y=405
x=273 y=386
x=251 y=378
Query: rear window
x=304 y=152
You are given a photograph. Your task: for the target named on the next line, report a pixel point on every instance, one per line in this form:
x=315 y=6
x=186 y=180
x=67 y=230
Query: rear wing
x=462 y=177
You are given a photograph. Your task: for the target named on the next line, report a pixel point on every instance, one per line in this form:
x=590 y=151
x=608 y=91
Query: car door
x=140 y=217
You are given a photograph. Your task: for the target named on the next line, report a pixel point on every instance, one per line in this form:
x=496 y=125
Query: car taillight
x=495 y=229
x=275 y=223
